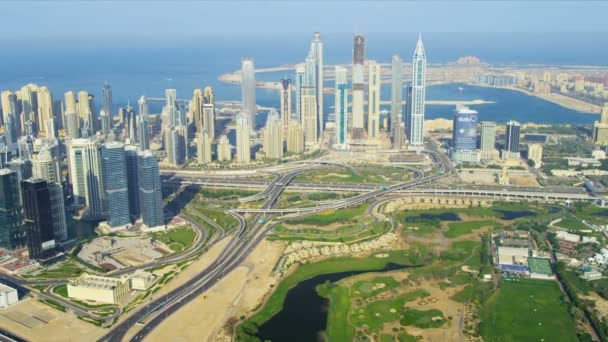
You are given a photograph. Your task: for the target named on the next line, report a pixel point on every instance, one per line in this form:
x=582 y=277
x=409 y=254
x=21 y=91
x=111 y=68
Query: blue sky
x=165 y=19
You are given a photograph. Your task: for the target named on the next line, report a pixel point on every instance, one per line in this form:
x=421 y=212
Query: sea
x=136 y=67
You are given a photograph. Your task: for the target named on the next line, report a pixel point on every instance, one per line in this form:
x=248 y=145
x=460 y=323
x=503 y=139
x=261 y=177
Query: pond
x=445 y=216
x=514 y=214
x=304 y=314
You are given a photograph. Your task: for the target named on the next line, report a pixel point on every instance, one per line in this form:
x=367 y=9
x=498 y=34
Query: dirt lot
x=36 y=321
x=233 y=296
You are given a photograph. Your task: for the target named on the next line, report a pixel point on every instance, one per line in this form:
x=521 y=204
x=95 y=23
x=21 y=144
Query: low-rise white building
x=513 y=255
x=142 y=280
x=98 y=288
x=8 y=296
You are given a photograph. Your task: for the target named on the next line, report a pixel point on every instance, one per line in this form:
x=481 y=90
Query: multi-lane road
x=241 y=245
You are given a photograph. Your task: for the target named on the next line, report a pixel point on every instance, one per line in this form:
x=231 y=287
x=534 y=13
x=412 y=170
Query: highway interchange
x=253 y=224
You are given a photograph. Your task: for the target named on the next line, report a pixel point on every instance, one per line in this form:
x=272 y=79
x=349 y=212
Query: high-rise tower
x=243 y=147
x=286 y=90
x=143 y=129
x=341 y=106
x=373 y=102
x=309 y=102
x=396 y=102
x=512 y=136
x=12 y=230
x=86 y=175
x=116 y=184
x=38 y=218
x=300 y=71
x=358 y=60
x=273 y=136
x=416 y=97
x=248 y=90
x=150 y=190
x=47 y=165
x=316 y=48
x=106 y=94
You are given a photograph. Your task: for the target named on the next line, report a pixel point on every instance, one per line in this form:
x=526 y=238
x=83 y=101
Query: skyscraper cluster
x=104 y=178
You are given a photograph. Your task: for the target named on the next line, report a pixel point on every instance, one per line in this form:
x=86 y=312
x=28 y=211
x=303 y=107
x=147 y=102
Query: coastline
x=559 y=99
x=562 y=100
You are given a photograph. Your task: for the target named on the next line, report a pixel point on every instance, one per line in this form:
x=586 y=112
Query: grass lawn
x=379 y=312
x=61 y=290
x=331 y=216
x=527 y=310
x=457 y=229
x=369 y=176
x=343 y=234
x=177 y=239
x=370 y=288
x=572 y=224
x=423 y=318
x=226 y=221
x=274 y=304
x=66 y=270
x=338 y=328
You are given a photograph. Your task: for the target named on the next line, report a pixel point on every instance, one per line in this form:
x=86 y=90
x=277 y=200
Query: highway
x=249 y=235
x=231 y=257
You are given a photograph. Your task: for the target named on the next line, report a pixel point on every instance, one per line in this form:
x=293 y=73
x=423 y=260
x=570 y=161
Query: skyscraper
x=131 y=158
x=373 y=102
x=341 y=106
x=600 y=128
x=29 y=106
x=273 y=136
x=224 y=149
x=115 y=184
x=286 y=90
x=85 y=112
x=46 y=118
x=86 y=176
x=175 y=145
x=243 y=147
x=10 y=117
x=209 y=112
x=488 y=136
x=203 y=147
x=465 y=129
x=358 y=60
x=295 y=138
x=300 y=71
x=196 y=109
x=150 y=192
x=316 y=48
x=144 y=125
x=38 y=218
x=248 y=91
x=416 y=97
x=106 y=122
x=512 y=136
x=106 y=94
x=309 y=102
x=47 y=165
x=12 y=230
x=73 y=124
x=396 y=102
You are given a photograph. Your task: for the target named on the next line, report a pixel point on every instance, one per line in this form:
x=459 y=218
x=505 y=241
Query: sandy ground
x=61 y=326
x=523 y=180
x=235 y=295
x=195 y=267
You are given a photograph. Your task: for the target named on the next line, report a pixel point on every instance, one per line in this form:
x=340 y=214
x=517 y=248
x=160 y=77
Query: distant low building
x=8 y=296
x=513 y=255
x=142 y=280
x=99 y=289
